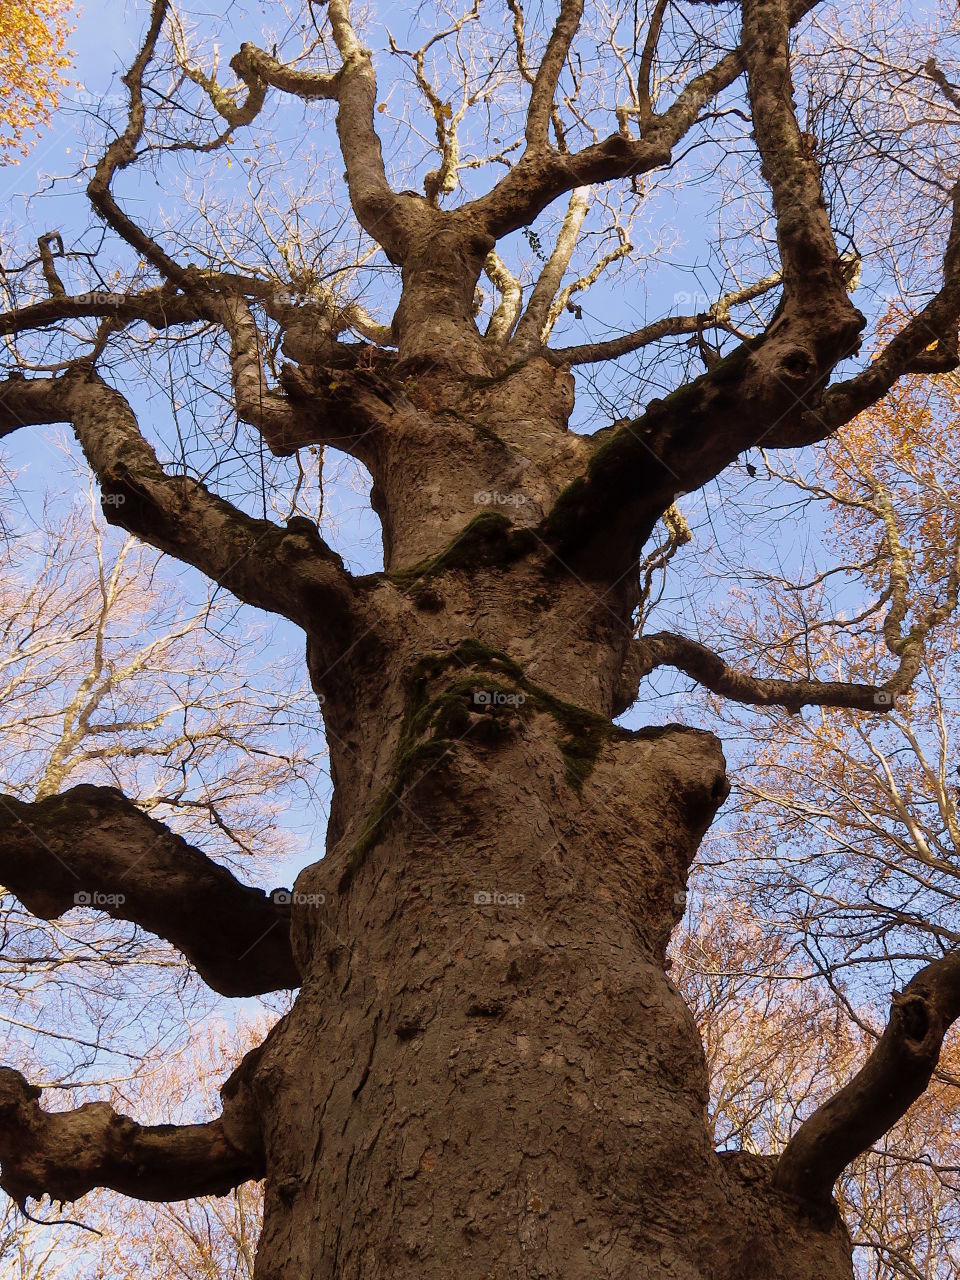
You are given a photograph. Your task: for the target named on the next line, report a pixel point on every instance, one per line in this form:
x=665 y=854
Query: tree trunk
x=488 y=1071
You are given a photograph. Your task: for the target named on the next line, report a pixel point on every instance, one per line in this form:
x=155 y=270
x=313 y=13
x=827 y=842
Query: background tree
x=486 y=1060
x=111 y=678
x=33 y=57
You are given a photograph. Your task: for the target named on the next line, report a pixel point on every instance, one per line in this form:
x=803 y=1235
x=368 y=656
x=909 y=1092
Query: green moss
x=432 y=727
x=409 y=763
x=491 y=380
x=480 y=431
x=489 y=539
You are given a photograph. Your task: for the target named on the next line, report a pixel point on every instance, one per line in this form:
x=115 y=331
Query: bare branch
x=68 y=1153
x=45 y=244
x=548 y=75
x=583 y=282
x=160 y=307
x=381 y=213
x=891 y=1080
x=541 y=175
x=716 y=317
x=812 y=274
x=122 y=152
x=256 y=67
x=91 y=846
x=645 y=73
x=508 y=308
x=663 y=649
x=534 y=319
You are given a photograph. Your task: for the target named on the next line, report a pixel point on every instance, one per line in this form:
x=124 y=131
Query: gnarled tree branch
x=812 y=274
x=891 y=1080
x=664 y=649
x=91 y=846
x=927 y=343
x=68 y=1153
x=507 y=309
x=289 y=571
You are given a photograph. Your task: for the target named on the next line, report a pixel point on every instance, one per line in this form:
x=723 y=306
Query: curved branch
x=716 y=317
x=122 y=152
x=271 y=413
x=891 y=1080
x=548 y=74
x=664 y=649
x=290 y=571
x=47 y=265
x=381 y=212
x=65 y=1154
x=508 y=308
x=927 y=343
x=160 y=307
x=812 y=275
x=256 y=67
x=91 y=846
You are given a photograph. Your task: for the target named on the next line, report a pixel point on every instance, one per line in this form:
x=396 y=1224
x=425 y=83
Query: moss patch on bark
x=432 y=727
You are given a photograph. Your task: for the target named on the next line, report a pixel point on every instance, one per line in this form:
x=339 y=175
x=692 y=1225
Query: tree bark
x=488 y=1069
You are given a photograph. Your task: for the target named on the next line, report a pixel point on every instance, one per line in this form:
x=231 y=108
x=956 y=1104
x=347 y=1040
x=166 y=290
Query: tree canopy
x=33 y=58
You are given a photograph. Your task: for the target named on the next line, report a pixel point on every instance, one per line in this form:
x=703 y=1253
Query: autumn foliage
x=33 y=57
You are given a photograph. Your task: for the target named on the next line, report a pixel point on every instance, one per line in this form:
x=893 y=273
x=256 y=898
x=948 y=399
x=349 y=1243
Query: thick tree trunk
x=488 y=1072
x=496 y=1077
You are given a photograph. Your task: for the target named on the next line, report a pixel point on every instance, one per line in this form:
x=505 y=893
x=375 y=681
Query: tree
x=33 y=57
x=486 y=1066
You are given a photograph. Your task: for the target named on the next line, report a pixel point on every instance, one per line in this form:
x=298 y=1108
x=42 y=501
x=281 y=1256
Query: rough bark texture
x=487 y=1061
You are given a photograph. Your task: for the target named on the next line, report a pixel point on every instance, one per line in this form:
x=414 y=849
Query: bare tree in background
x=111 y=680
x=843 y=836
x=487 y=1068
